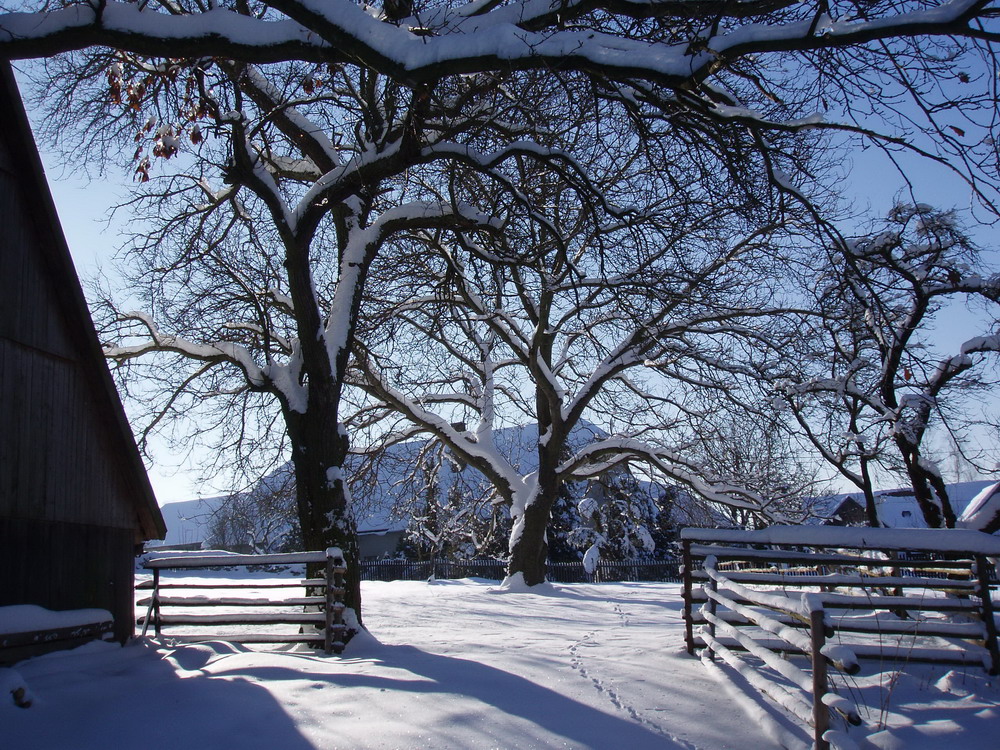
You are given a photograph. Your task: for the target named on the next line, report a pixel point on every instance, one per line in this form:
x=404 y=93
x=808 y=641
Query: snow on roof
x=982 y=508
x=897 y=508
x=187 y=521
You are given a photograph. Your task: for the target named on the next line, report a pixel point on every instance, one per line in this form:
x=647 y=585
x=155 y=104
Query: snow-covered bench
x=28 y=630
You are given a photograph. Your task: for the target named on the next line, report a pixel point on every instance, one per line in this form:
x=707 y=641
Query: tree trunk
x=319 y=451
x=871 y=507
x=529 y=551
x=936 y=514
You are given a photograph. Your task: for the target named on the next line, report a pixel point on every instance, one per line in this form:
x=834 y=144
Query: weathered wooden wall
x=74 y=499
x=68 y=566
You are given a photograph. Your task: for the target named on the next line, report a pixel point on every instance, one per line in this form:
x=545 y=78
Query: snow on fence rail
x=324 y=611
x=857 y=586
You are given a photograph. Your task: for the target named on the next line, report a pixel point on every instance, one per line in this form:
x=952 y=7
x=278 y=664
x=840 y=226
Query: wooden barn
x=75 y=501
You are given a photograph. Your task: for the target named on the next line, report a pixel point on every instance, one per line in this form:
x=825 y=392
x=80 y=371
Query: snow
x=25 y=618
x=222 y=558
x=982 y=509
x=463 y=45
x=451 y=664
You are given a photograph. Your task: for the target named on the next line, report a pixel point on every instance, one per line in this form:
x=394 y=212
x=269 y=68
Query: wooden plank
x=922 y=604
x=145 y=585
x=778 y=578
x=183 y=601
x=225 y=561
x=843 y=601
x=247 y=637
x=791 y=701
x=929 y=628
x=247 y=618
x=886 y=540
x=973 y=656
x=819 y=558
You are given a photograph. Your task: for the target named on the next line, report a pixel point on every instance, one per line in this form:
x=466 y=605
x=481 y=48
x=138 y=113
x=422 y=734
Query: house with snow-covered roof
x=75 y=500
x=898 y=508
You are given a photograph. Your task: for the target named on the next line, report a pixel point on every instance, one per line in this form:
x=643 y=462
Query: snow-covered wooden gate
x=324 y=612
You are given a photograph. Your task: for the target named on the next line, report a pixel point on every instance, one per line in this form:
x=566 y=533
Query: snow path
x=462 y=665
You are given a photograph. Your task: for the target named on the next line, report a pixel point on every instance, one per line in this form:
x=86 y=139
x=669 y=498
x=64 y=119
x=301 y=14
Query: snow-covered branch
x=511 y=37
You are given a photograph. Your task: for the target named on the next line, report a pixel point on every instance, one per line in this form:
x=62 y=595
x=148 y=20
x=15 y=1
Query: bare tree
x=334 y=174
x=260 y=521
x=571 y=314
x=758 y=451
x=254 y=246
x=878 y=381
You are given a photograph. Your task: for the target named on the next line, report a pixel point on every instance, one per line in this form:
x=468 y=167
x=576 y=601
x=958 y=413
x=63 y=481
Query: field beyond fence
x=563 y=572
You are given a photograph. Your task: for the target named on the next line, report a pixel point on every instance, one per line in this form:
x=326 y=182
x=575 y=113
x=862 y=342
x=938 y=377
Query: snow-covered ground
x=461 y=664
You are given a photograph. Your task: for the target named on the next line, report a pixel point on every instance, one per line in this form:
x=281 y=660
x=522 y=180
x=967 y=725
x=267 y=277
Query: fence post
x=156 y=602
x=821 y=714
x=686 y=574
x=712 y=609
x=333 y=640
x=983 y=574
x=152 y=601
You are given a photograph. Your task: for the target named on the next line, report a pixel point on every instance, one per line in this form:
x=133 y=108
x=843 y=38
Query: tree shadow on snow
x=508 y=700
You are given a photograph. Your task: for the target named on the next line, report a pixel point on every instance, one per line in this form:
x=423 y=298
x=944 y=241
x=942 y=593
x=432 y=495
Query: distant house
x=898 y=509
x=75 y=501
x=848 y=511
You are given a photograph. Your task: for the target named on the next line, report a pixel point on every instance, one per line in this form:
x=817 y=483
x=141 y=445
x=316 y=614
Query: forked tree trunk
x=529 y=551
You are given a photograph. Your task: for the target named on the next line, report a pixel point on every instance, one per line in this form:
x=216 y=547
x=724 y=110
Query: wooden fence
x=736 y=589
x=495 y=570
x=322 y=612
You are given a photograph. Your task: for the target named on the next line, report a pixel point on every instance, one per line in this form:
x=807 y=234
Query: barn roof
x=58 y=264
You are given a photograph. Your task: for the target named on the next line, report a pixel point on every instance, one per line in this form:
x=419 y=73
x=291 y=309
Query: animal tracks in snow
x=587 y=654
